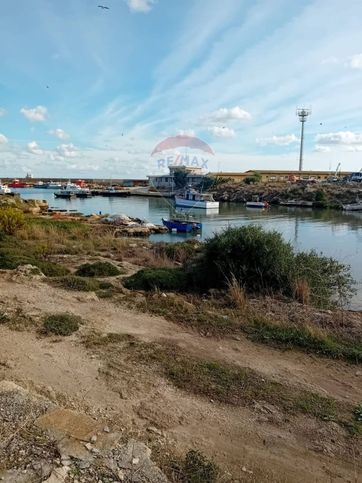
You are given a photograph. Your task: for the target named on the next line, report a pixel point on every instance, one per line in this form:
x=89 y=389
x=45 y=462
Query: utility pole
x=303 y=114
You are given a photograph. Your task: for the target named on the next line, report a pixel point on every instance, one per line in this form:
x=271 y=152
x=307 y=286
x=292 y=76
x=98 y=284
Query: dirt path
x=297 y=450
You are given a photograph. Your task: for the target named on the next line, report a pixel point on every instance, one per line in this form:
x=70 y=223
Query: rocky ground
x=74 y=409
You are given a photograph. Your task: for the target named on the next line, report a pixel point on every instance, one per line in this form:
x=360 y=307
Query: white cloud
x=68 y=151
x=225 y=114
x=355 y=62
x=186 y=132
x=354 y=149
x=221 y=132
x=34 y=148
x=2 y=112
x=322 y=149
x=3 y=139
x=341 y=138
x=59 y=133
x=36 y=114
x=285 y=140
x=142 y=6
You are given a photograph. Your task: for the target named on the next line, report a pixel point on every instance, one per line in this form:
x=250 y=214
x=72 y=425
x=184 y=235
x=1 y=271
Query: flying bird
x=104 y=7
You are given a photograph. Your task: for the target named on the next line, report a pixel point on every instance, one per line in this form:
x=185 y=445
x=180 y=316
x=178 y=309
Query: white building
x=195 y=176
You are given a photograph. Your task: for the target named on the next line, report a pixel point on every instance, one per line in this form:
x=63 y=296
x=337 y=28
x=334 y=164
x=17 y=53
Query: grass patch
x=61 y=324
x=80 y=284
x=98 y=269
x=158 y=278
x=193 y=468
x=11 y=258
x=225 y=383
x=317 y=342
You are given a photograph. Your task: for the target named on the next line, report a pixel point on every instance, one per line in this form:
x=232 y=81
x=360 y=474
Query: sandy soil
x=298 y=449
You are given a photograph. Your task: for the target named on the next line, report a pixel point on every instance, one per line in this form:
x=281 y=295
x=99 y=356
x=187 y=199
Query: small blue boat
x=182 y=226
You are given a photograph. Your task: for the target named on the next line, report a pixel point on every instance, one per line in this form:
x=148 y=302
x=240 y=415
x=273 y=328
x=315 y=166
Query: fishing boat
x=72 y=190
x=357 y=206
x=53 y=185
x=18 y=184
x=4 y=189
x=182 y=226
x=194 y=199
x=39 y=185
x=257 y=204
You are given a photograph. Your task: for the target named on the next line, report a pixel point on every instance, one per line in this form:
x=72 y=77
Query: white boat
x=4 y=189
x=72 y=190
x=353 y=207
x=53 y=185
x=257 y=204
x=194 y=199
x=39 y=185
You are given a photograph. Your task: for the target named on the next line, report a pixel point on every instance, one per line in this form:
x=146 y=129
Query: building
x=195 y=176
x=279 y=175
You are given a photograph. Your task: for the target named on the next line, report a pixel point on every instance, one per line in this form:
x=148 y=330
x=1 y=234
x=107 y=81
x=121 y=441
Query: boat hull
x=257 y=204
x=353 y=207
x=180 y=226
x=196 y=204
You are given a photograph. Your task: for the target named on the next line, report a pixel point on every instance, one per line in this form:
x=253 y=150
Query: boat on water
x=53 y=185
x=302 y=203
x=39 y=185
x=72 y=190
x=182 y=226
x=195 y=199
x=4 y=189
x=357 y=206
x=257 y=204
x=18 y=184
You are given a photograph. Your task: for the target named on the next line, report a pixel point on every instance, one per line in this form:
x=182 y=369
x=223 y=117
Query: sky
x=89 y=92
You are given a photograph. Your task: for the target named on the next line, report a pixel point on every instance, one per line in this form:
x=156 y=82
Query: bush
x=61 y=324
x=254 y=179
x=81 y=284
x=98 y=269
x=259 y=260
x=12 y=258
x=263 y=263
x=357 y=413
x=158 y=278
x=198 y=469
x=11 y=220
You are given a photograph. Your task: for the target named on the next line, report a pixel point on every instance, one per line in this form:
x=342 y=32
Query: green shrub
x=81 y=284
x=259 y=260
x=61 y=324
x=357 y=412
x=11 y=258
x=179 y=251
x=254 y=179
x=263 y=263
x=11 y=220
x=98 y=269
x=158 y=278
x=198 y=469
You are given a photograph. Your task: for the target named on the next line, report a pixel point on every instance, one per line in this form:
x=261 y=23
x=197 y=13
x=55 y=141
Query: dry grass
x=237 y=294
x=302 y=292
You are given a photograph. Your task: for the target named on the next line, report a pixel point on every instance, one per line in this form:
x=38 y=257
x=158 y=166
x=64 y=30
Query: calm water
x=334 y=233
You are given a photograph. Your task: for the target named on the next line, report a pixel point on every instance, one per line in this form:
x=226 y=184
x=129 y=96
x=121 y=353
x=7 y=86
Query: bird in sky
x=104 y=7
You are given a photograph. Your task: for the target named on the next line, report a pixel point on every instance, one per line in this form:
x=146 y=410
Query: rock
x=121 y=475
x=58 y=475
x=88 y=446
x=152 y=429
x=93 y=438
x=135 y=461
x=29 y=271
x=358 y=373
x=106 y=429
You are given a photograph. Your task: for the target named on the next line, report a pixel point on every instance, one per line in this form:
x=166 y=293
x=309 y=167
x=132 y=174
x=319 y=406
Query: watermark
x=191 y=158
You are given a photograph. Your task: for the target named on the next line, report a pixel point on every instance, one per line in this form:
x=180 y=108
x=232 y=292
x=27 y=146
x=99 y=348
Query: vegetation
x=98 y=269
x=61 y=324
x=11 y=220
x=158 y=278
x=263 y=263
x=357 y=412
x=81 y=284
x=306 y=338
x=180 y=251
x=196 y=468
x=254 y=179
x=180 y=177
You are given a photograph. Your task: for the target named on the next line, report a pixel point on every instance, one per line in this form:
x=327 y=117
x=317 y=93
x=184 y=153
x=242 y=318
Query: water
x=333 y=233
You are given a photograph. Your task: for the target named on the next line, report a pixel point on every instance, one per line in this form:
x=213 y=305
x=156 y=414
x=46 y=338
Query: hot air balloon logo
x=199 y=157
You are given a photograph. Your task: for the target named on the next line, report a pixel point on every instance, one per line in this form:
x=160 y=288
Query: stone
x=106 y=429
x=358 y=373
x=94 y=438
x=58 y=475
x=152 y=429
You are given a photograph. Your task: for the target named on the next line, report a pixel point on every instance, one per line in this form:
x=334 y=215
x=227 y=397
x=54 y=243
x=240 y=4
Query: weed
x=194 y=468
x=81 y=284
x=11 y=220
x=357 y=412
x=158 y=278
x=236 y=293
x=98 y=269
x=61 y=324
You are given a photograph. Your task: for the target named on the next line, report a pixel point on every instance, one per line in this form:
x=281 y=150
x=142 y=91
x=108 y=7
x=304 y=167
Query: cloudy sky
x=89 y=92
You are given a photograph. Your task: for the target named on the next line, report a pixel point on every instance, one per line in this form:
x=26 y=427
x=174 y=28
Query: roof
x=275 y=171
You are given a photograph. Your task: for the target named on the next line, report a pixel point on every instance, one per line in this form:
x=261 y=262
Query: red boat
x=17 y=184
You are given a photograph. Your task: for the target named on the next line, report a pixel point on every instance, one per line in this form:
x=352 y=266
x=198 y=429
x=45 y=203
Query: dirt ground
x=257 y=444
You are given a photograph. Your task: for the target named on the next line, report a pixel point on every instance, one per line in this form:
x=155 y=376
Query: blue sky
x=89 y=92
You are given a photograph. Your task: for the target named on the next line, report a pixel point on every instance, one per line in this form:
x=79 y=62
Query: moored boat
x=353 y=206
x=182 y=226
x=18 y=184
x=4 y=189
x=72 y=190
x=194 y=199
x=257 y=204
